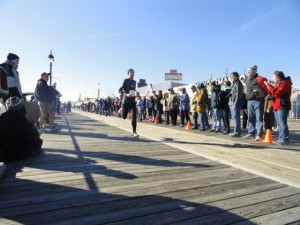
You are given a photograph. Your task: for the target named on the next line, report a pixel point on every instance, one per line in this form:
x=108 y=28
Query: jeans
x=216 y=119
x=283 y=129
x=236 y=116
x=255 y=114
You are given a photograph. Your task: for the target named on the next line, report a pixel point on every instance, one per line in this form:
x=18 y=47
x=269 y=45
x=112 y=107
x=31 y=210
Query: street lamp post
x=51 y=60
x=98 y=90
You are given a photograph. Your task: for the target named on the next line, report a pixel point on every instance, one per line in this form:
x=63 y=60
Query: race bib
x=132 y=92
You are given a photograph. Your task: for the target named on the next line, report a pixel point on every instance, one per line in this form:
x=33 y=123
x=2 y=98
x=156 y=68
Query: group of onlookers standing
x=266 y=103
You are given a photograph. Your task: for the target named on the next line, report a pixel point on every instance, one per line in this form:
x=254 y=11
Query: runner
x=128 y=103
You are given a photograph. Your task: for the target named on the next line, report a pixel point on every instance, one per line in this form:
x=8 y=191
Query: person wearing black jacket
x=10 y=67
x=45 y=94
x=19 y=138
x=159 y=106
x=216 y=116
x=128 y=90
x=223 y=105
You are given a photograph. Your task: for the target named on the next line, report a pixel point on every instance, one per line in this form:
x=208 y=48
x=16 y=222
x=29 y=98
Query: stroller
x=33 y=112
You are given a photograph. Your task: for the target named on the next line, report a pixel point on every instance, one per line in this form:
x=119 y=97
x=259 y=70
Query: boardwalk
x=94 y=173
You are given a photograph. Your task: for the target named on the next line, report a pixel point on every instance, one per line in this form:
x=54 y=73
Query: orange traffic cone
x=268 y=137
x=156 y=120
x=189 y=125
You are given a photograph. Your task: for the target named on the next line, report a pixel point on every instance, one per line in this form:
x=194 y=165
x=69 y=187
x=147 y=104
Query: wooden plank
x=288 y=216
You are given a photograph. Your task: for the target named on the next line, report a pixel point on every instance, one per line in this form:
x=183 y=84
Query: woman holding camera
x=281 y=91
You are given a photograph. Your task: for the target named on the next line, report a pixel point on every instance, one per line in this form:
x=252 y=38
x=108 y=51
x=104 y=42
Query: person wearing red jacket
x=281 y=91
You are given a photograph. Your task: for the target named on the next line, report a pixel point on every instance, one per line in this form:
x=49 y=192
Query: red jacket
x=282 y=94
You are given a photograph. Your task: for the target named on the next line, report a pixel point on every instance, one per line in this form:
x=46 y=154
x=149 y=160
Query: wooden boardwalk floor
x=95 y=173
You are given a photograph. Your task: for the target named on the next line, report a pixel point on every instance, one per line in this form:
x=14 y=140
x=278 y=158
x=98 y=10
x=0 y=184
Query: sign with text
x=173 y=75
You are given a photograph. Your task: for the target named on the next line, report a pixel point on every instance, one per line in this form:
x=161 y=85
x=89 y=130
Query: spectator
x=159 y=106
x=184 y=105
x=150 y=107
x=140 y=107
x=193 y=102
x=45 y=95
x=225 y=110
x=166 y=107
x=173 y=105
x=19 y=137
x=256 y=91
x=281 y=91
x=202 y=106
x=216 y=113
x=235 y=103
x=10 y=66
x=269 y=117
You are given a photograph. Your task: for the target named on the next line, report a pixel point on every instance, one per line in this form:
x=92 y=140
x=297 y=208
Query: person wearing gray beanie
x=253 y=68
x=256 y=91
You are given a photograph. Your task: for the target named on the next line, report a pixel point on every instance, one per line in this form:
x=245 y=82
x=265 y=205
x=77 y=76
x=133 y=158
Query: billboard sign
x=173 y=75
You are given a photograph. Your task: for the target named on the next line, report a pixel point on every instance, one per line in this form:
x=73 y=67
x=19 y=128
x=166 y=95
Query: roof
x=164 y=86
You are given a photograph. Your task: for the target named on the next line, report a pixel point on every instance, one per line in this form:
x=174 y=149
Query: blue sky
x=99 y=40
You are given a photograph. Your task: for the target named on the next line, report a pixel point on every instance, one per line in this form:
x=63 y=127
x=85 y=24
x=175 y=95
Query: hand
x=268 y=83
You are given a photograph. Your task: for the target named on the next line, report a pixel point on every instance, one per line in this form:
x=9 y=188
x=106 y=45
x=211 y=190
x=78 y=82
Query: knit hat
x=254 y=68
x=200 y=86
x=12 y=56
x=14 y=103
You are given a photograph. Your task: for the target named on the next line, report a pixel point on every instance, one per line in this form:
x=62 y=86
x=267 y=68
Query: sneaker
x=258 y=138
x=212 y=130
x=53 y=130
x=248 y=136
x=41 y=130
x=2 y=168
x=234 y=135
x=135 y=135
x=279 y=142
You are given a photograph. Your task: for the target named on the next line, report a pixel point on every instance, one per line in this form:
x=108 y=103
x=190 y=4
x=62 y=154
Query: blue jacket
x=43 y=92
x=184 y=100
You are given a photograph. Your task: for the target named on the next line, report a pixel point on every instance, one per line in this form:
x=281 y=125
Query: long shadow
x=290 y=147
x=57 y=204
x=105 y=136
x=132 y=159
